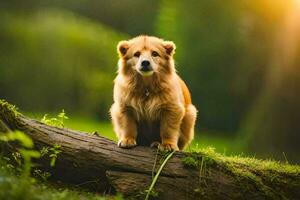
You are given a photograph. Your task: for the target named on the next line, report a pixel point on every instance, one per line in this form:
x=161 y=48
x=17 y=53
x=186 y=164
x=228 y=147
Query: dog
x=152 y=104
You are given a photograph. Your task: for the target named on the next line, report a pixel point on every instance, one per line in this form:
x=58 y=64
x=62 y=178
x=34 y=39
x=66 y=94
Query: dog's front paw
x=127 y=143
x=168 y=147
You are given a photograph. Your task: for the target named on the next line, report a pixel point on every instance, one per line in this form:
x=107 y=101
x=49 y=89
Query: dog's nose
x=145 y=66
x=145 y=63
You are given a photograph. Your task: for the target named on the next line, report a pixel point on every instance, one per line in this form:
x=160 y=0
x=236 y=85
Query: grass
x=150 y=191
x=222 y=143
x=104 y=128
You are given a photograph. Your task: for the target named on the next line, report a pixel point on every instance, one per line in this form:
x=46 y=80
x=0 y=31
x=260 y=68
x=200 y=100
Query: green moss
x=272 y=178
x=8 y=108
x=211 y=156
x=196 y=159
x=190 y=161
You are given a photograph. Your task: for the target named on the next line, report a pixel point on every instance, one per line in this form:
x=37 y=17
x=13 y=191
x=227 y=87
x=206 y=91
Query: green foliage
x=27 y=155
x=62 y=116
x=41 y=175
x=19 y=137
x=13 y=187
x=23 y=186
x=44 y=151
x=17 y=158
x=54 y=151
x=55 y=121
x=25 y=151
x=75 y=59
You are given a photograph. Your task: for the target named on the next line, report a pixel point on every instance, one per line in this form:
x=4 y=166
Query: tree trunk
x=97 y=162
x=275 y=116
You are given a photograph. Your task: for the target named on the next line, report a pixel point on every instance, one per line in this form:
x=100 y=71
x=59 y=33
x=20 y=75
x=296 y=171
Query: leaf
x=29 y=153
x=19 y=136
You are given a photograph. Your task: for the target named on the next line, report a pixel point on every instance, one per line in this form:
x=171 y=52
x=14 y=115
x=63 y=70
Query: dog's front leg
x=170 y=127
x=124 y=126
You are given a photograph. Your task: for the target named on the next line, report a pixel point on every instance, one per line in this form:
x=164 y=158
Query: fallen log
x=96 y=161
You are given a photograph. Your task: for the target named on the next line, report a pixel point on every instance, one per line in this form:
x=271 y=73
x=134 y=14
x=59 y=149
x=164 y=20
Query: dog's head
x=146 y=55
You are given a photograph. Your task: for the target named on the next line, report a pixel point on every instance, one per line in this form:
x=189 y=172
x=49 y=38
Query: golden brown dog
x=152 y=105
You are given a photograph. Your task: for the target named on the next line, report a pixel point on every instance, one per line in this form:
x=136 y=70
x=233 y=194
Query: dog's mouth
x=146 y=73
x=146 y=70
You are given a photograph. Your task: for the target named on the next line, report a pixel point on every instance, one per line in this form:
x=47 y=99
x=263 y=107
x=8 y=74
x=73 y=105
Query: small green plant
x=61 y=117
x=54 y=151
x=17 y=158
x=25 y=152
x=56 y=121
x=42 y=175
x=44 y=151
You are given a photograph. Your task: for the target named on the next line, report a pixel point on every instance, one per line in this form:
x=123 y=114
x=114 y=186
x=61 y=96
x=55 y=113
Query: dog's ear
x=170 y=47
x=122 y=47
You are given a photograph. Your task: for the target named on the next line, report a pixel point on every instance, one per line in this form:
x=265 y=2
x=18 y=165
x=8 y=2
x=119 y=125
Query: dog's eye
x=155 y=54
x=137 y=54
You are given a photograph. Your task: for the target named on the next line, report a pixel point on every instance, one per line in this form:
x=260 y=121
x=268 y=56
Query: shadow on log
x=97 y=162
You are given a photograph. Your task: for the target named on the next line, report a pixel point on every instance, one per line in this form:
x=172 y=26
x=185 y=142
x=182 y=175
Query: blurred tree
x=222 y=54
x=209 y=47
x=272 y=126
x=129 y=16
x=54 y=59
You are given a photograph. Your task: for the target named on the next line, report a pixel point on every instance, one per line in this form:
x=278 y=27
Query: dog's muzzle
x=146 y=68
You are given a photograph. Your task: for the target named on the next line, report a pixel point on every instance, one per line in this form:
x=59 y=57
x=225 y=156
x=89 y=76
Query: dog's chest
x=146 y=108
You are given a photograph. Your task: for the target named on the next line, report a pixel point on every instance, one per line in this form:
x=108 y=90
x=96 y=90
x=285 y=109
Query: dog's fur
x=155 y=109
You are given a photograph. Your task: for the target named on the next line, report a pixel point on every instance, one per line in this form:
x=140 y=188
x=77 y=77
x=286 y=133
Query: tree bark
x=97 y=162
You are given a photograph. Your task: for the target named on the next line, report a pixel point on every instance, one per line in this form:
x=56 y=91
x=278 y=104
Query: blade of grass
x=157 y=175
